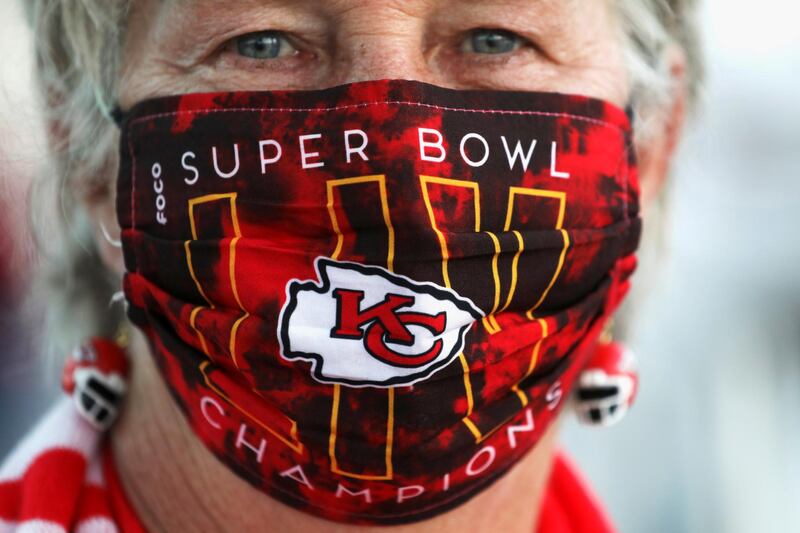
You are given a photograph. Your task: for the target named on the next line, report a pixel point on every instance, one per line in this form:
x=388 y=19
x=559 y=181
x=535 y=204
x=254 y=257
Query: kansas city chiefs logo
x=365 y=326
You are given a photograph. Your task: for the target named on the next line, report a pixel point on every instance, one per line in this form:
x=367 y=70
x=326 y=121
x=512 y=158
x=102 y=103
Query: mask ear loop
x=118 y=117
x=118 y=296
x=116 y=243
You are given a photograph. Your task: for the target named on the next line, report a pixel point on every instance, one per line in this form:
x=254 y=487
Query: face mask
x=370 y=301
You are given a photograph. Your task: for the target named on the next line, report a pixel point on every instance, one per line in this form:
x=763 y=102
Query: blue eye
x=264 y=45
x=485 y=41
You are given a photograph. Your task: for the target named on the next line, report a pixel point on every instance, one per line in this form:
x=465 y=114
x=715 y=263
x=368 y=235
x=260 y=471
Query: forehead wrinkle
x=550 y=16
x=545 y=12
x=388 y=3
x=227 y=4
x=522 y=4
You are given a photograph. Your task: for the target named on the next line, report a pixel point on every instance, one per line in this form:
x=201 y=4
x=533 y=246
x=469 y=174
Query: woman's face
x=180 y=46
x=568 y=46
x=190 y=46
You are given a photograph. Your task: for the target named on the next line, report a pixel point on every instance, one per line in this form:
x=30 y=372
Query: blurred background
x=24 y=391
x=713 y=443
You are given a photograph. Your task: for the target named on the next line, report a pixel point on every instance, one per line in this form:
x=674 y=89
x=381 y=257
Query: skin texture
x=179 y=46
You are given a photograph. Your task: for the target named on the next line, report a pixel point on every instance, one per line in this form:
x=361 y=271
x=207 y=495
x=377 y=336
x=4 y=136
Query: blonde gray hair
x=78 y=46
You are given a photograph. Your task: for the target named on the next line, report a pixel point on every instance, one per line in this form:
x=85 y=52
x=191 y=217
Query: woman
x=369 y=247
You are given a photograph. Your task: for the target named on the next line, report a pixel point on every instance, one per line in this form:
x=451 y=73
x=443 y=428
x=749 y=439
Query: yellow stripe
x=188 y=251
x=381 y=180
x=439 y=234
x=523 y=398
x=535 y=355
x=389 y=439
x=234 y=330
x=493 y=326
x=192 y=320
x=532 y=363
x=424 y=180
x=562 y=205
x=470 y=402
x=388 y=221
x=231 y=197
x=521 y=395
x=514 y=266
x=467 y=384
x=480 y=437
x=565 y=237
x=334 y=421
x=191 y=271
x=541 y=193
x=491 y=320
x=334 y=223
x=390 y=434
x=232 y=274
x=473 y=429
x=296 y=446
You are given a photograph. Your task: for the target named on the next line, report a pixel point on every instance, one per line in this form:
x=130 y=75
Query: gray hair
x=78 y=45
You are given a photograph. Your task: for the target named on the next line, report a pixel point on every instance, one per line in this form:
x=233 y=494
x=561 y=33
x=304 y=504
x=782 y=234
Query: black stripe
x=98 y=387
x=597 y=393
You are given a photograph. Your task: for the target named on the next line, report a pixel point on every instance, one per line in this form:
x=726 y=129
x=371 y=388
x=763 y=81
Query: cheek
x=605 y=75
x=150 y=77
x=607 y=82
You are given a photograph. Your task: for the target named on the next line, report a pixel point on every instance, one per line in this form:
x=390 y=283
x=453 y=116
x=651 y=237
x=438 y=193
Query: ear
x=656 y=152
x=96 y=195
x=101 y=209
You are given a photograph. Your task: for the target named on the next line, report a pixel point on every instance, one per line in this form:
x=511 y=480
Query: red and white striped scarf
x=61 y=478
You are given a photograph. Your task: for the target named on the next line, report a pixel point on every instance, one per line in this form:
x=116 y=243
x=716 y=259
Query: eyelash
x=228 y=53
x=524 y=47
x=229 y=49
x=470 y=39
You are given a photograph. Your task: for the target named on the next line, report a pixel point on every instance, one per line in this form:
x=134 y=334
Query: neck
x=175 y=484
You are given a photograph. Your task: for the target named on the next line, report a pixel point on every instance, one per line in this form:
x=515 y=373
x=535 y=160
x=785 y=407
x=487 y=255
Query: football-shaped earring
x=95 y=375
x=607 y=385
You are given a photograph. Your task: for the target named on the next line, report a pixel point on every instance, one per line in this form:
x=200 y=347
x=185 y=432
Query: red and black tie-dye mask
x=370 y=301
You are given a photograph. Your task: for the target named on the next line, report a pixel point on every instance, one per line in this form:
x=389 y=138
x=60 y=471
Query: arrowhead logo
x=363 y=326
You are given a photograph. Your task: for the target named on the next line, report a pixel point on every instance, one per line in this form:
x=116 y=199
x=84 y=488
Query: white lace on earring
x=113 y=242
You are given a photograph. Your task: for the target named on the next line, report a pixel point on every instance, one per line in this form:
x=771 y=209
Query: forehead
x=365 y=3
x=543 y=8
x=568 y=20
x=572 y=46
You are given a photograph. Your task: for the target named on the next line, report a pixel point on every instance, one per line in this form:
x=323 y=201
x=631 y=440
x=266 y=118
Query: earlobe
x=657 y=151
